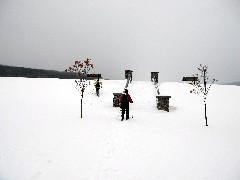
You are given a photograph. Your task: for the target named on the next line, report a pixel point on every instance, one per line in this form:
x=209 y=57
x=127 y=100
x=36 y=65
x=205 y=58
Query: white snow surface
x=43 y=137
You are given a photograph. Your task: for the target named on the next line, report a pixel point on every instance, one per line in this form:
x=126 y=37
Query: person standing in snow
x=125 y=98
x=98 y=85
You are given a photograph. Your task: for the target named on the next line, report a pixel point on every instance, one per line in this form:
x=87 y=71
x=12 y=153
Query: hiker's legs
x=97 y=92
x=123 y=112
x=127 y=113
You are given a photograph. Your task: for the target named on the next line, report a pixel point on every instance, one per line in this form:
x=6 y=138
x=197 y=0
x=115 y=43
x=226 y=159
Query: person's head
x=126 y=91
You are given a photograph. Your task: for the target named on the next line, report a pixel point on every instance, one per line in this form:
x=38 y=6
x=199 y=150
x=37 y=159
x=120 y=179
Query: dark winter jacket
x=124 y=100
x=98 y=84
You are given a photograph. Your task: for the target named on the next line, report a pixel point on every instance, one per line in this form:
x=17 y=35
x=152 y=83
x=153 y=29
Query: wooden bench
x=193 y=79
x=163 y=103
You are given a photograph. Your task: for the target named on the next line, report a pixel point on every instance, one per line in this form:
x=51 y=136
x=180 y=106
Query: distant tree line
x=10 y=71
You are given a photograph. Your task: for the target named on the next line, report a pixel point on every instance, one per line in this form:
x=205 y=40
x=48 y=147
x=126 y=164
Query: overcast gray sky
x=171 y=37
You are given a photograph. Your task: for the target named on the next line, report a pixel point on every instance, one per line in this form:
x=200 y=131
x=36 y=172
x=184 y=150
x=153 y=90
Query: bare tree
x=202 y=89
x=81 y=69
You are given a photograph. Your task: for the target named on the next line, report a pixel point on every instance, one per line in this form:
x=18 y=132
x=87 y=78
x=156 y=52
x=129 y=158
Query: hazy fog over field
x=172 y=37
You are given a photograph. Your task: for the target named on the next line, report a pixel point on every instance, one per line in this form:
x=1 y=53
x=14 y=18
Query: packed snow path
x=118 y=143
x=43 y=137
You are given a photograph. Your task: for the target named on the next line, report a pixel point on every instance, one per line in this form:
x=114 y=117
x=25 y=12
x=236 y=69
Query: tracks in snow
x=118 y=145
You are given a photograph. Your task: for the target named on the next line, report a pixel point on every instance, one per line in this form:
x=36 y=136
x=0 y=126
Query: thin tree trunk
x=206 y=113
x=81 y=108
x=205 y=82
x=205 y=91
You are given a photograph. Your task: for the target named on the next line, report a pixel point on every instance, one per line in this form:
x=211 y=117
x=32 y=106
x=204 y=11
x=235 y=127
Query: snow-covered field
x=42 y=135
